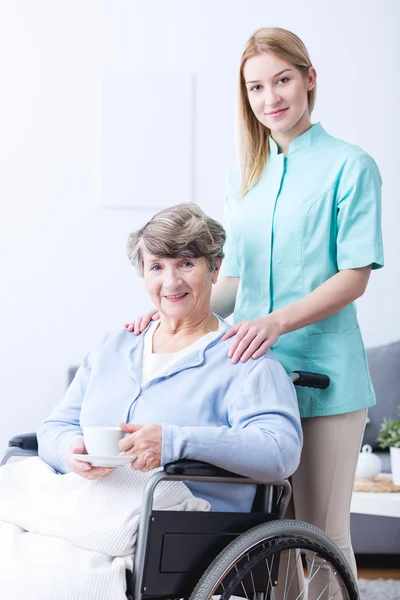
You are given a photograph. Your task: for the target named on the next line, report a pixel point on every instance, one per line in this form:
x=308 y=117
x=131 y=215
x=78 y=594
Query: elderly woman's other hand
x=85 y=469
x=144 y=443
x=140 y=324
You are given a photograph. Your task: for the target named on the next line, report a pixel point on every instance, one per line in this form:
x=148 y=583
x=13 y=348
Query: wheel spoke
x=252 y=583
x=301 y=593
x=327 y=586
x=251 y=577
x=294 y=570
x=242 y=584
x=310 y=576
x=287 y=573
x=270 y=583
x=338 y=590
x=309 y=579
x=312 y=565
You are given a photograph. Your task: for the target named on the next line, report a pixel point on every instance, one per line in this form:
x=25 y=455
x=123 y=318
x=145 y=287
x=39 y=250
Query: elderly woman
x=173 y=388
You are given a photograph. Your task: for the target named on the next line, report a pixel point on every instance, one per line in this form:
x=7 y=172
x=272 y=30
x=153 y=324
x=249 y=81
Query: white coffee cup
x=102 y=441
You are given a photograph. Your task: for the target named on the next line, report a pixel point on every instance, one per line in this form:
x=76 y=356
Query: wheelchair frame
x=157 y=575
x=155 y=527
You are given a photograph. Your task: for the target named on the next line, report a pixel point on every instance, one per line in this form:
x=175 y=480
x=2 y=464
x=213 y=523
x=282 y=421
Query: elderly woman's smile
x=180 y=287
x=176 y=298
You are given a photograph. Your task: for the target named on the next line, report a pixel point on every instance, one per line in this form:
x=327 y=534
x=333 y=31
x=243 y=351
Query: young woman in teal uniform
x=303 y=221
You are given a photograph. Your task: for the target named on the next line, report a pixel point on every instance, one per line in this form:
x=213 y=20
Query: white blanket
x=67 y=538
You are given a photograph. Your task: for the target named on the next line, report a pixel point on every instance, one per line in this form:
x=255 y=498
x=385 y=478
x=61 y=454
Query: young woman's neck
x=283 y=139
x=175 y=334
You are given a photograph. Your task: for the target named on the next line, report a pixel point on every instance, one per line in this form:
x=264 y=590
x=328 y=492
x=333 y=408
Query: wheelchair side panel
x=181 y=545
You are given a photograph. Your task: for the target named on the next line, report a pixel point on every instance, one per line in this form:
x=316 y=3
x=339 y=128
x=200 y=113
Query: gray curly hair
x=182 y=231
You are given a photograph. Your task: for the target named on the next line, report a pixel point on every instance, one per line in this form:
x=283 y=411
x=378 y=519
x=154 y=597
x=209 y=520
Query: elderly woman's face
x=179 y=287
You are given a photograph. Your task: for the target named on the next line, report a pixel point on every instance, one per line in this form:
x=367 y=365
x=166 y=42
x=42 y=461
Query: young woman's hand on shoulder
x=253 y=338
x=141 y=323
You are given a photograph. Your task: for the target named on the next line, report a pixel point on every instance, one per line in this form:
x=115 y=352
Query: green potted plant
x=389 y=437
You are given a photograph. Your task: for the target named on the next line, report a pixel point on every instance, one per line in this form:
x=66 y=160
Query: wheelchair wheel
x=279 y=560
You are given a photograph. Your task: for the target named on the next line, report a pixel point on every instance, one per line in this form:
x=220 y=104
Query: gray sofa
x=371 y=534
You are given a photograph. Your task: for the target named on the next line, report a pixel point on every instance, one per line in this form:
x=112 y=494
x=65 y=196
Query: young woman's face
x=277 y=91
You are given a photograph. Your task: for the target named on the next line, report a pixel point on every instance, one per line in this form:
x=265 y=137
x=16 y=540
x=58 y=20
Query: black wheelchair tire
x=265 y=532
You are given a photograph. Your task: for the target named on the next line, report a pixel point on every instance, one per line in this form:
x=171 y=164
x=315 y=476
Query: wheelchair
x=201 y=555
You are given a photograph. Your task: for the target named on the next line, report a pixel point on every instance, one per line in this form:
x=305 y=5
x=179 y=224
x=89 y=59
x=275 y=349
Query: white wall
x=64 y=276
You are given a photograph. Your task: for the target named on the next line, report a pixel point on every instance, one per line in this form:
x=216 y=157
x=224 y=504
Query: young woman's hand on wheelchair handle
x=85 y=469
x=140 y=324
x=144 y=444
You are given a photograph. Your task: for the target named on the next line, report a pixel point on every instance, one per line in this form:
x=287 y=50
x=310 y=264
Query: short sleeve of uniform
x=359 y=233
x=230 y=263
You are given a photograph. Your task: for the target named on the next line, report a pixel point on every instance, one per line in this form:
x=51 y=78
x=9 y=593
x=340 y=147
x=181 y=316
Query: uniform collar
x=302 y=142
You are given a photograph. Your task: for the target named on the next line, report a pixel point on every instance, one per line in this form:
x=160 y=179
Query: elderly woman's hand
x=253 y=338
x=140 y=324
x=144 y=443
x=85 y=469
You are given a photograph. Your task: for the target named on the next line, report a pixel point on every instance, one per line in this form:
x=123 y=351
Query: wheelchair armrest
x=197 y=468
x=25 y=441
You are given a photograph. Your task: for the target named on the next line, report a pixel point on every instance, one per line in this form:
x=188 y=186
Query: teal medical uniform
x=313 y=213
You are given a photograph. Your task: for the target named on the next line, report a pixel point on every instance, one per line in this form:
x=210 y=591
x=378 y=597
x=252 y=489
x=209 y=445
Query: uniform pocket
x=340 y=322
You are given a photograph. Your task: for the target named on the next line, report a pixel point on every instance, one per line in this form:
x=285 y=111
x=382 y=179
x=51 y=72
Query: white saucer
x=104 y=461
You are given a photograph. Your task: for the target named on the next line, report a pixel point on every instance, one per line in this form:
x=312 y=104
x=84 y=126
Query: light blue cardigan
x=241 y=417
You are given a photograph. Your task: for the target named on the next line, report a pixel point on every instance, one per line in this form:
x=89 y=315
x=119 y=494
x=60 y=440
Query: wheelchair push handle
x=25 y=441
x=308 y=379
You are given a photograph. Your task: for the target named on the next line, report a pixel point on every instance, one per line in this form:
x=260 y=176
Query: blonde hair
x=182 y=231
x=252 y=135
